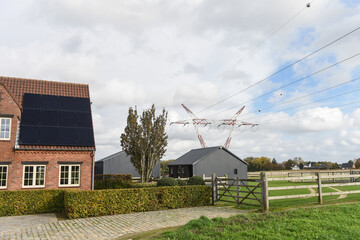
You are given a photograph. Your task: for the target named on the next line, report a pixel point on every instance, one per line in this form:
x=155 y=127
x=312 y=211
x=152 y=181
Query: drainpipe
x=92 y=170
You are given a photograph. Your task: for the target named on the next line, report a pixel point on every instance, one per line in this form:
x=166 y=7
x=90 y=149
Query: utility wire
x=291 y=83
x=282 y=69
x=305 y=104
x=262 y=43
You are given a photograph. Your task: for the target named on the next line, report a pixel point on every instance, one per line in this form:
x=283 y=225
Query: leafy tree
x=301 y=165
x=144 y=140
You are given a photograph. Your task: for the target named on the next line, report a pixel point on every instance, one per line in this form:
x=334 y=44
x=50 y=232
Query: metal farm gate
x=239 y=191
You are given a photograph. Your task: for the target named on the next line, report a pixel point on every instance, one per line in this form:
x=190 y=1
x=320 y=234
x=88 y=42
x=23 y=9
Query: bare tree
x=145 y=140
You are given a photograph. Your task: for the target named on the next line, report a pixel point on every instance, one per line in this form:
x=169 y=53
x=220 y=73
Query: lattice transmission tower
x=198 y=122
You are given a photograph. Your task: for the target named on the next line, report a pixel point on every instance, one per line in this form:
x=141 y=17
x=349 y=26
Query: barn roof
x=123 y=153
x=193 y=156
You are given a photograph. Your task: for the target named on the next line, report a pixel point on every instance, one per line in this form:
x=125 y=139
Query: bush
x=126 y=177
x=31 y=202
x=111 y=184
x=80 y=204
x=196 y=180
x=167 y=182
x=181 y=182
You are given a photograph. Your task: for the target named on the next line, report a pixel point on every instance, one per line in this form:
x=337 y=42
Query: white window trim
x=34 y=177
x=9 y=128
x=7 y=176
x=69 y=177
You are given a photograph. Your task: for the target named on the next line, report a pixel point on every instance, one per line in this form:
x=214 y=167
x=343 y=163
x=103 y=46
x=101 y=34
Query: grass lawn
x=330 y=222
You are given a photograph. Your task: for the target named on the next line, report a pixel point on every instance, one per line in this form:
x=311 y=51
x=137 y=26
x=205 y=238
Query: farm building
x=207 y=161
x=46 y=135
x=119 y=163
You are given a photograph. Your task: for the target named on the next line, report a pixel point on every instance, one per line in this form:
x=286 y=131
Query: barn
x=206 y=161
x=119 y=163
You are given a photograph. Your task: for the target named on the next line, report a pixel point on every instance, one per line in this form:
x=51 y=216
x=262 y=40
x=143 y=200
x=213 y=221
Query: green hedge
x=31 y=202
x=111 y=184
x=80 y=204
x=113 y=176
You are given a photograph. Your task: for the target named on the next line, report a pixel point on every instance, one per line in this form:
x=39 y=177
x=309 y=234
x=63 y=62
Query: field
x=330 y=222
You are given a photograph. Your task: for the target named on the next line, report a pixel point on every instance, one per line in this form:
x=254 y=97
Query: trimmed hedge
x=168 y=181
x=114 y=176
x=31 y=202
x=111 y=184
x=196 y=180
x=81 y=204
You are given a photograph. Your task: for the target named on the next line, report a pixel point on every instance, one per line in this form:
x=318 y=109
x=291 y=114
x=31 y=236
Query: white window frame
x=34 y=176
x=1 y=118
x=7 y=176
x=69 y=176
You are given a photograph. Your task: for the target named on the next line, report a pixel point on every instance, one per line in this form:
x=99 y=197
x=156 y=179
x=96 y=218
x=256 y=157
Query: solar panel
x=83 y=119
x=56 y=120
x=49 y=118
x=49 y=102
x=29 y=135
x=67 y=119
x=68 y=136
x=31 y=101
x=30 y=117
x=49 y=135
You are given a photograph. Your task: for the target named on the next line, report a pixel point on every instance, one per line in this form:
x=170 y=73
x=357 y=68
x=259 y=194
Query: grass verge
x=330 y=222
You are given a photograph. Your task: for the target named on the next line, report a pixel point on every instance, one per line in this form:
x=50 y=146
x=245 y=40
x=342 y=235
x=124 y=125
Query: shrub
x=80 y=204
x=126 y=177
x=31 y=201
x=181 y=182
x=111 y=184
x=167 y=182
x=196 y=180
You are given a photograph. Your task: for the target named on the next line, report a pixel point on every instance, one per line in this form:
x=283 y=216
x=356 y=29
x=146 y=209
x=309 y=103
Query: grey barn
x=119 y=163
x=207 y=161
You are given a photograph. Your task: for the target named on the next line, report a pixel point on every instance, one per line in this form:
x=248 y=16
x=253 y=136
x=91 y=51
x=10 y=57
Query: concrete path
x=106 y=227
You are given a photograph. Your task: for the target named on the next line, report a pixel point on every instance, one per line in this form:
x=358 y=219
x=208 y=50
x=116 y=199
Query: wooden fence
x=238 y=190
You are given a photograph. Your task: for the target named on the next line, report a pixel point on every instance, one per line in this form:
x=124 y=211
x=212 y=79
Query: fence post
x=264 y=192
x=237 y=191
x=214 y=188
x=319 y=187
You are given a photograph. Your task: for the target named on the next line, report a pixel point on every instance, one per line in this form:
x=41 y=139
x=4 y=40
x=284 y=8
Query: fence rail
x=245 y=191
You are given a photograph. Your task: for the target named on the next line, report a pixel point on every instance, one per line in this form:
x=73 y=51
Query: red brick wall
x=15 y=171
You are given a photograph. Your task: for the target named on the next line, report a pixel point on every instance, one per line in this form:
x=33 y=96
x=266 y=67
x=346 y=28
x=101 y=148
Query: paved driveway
x=46 y=226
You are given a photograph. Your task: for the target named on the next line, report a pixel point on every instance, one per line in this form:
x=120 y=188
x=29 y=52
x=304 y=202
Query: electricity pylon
x=196 y=121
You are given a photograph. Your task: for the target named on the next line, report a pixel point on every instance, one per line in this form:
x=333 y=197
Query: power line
x=282 y=69
x=262 y=43
x=305 y=104
x=291 y=83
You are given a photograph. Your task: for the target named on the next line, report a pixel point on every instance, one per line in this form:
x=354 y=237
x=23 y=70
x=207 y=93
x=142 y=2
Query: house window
x=235 y=171
x=179 y=169
x=5 y=127
x=69 y=175
x=3 y=176
x=34 y=176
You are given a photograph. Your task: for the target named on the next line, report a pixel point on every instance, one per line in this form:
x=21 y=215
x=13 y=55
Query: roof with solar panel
x=54 y=115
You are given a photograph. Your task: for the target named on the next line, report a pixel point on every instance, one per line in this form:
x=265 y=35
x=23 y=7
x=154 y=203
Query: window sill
x=69 y=186
x=32 y=187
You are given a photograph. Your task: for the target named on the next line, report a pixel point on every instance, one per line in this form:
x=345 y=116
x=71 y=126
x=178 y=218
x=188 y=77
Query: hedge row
x=113 y=176
x=112 y=184
x=31 y=202
x=81 y=204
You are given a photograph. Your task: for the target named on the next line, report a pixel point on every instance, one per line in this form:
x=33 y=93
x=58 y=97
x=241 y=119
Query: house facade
x=46 y=135
x=206 y=161
x=119 y=163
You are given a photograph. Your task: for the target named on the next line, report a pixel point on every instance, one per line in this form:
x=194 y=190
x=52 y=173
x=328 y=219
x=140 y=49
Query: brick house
x=46 y=135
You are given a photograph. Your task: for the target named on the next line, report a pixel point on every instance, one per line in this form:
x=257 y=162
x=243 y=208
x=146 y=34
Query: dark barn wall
x=185 y=171
x=120 y=164
x=99 y=168
x=220 y=162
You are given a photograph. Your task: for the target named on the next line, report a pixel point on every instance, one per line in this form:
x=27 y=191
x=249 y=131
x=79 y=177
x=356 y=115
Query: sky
x=205 y=54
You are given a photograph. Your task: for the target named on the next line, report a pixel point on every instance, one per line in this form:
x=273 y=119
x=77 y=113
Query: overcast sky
x=199 y=53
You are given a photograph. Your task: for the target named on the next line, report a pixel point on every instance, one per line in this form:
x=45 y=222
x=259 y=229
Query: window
x=5 y=128
x=34 y=176
x=3 y=176
x=235 y=171
x=69 y=175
